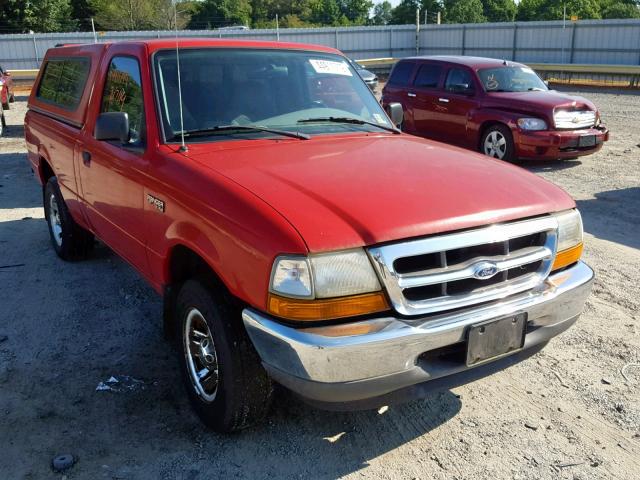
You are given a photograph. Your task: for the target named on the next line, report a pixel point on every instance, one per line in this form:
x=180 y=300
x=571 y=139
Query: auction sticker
x=329 y=67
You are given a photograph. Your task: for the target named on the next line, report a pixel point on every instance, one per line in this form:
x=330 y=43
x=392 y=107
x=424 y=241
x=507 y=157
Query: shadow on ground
x=613 y=215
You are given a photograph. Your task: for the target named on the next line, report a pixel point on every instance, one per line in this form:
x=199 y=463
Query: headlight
x=532 y=124
x=570 y=239
x=325 y=286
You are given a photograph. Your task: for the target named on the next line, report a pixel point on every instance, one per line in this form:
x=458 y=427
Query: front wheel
x=226 y=383
x=69 y=239
x=497 y=142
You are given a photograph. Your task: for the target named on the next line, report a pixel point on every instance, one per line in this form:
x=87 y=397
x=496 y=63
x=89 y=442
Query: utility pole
x=417 y=31
x=426 y=11
x=564 y=27
x=438 y=19
x=277 y=29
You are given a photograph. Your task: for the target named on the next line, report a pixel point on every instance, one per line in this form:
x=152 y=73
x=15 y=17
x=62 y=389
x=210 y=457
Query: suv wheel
x=497 y=142
x=3 y=124
x=69 y=240
x=226 y=383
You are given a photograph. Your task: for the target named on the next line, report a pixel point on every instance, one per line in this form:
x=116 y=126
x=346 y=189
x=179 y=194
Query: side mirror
x=113 y=126
x=395 y=112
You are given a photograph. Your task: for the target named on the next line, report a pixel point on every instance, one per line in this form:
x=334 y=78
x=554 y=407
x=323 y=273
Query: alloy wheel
x=495 y=145
x=55 y=224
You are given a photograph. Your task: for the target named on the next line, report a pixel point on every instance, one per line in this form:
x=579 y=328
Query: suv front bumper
x=404 y=353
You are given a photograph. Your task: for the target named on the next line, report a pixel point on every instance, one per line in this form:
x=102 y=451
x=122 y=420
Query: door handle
x=443 y=100
x=86 y=158
x=409 y=94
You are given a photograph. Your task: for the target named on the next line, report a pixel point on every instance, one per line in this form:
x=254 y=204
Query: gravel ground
x=566 y=413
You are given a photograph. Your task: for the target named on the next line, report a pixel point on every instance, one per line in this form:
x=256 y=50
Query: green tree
x=382 y=13
x=620 y=9
x=37 y=15
x=220 y=13
x=464 y=11
x=138 y=14
x=553 y=9
x=356 y=11
x=499 y=10
x=529 y=10
x=405 y=12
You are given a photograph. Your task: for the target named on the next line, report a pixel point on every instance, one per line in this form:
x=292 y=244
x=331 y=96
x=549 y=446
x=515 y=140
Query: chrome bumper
x=330 y=369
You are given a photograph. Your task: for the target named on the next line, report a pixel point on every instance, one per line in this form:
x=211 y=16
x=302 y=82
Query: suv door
x=454 y=104
x=111 y=173
x=424 y=95
x=395 y=90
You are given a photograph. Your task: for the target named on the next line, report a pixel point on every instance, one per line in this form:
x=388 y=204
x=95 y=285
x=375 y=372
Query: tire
x=2 y=123
x=497 y=142
x=69 y=240
x=233 y=391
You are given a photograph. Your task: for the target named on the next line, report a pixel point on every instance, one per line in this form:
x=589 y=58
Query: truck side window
x=123 y=93
x=401 y=74
x=428 y=76
x=63 y=81
x=459 y=81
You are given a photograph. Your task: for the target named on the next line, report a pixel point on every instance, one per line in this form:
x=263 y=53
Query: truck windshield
x=286 y=90
x=510 y=79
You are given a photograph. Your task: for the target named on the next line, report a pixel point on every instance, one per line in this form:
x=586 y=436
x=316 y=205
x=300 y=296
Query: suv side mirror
x=395 y=112
x=113 y=126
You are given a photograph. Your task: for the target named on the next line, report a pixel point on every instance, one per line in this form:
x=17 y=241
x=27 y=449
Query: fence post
x=417 y=31
x=573 y=39
x=464 y=37
x=391 y=42
x=336 y=40
x=35 y=49
x=515 y=42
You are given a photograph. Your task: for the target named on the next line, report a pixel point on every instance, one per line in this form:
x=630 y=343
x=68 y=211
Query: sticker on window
x=330 y=68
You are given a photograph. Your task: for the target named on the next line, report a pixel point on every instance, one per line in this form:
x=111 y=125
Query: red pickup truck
x=295 y=234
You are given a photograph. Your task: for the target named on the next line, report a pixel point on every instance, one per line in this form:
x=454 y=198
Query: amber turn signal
x=567 y=257
x=327 y=309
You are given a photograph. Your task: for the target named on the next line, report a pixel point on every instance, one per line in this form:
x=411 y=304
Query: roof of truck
x=164 y=43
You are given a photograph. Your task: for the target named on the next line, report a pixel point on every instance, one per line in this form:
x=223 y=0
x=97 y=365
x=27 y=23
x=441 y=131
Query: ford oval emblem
x=485 y=270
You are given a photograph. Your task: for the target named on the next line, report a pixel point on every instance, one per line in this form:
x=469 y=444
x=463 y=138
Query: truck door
x=112 y=174
x=425 y=93
x=454 y=105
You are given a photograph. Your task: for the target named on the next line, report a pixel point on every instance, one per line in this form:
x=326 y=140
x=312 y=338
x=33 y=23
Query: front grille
x=574 y=119
x=456 y=270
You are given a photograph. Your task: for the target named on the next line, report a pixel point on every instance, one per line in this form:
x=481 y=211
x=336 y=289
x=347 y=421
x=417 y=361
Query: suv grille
x=574 y=119
x=461 y=269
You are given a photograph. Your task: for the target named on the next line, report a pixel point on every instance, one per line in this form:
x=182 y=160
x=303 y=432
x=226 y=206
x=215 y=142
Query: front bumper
x=557 y=144
x=405 y=352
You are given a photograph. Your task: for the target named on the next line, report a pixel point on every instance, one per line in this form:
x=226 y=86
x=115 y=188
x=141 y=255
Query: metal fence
x=588 y=42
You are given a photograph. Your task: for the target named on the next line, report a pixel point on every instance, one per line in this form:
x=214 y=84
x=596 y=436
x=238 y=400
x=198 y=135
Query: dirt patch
x=66 y=328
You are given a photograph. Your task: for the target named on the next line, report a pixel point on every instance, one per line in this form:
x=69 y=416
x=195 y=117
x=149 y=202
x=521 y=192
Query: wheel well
x=184 y=264
x=46 y=172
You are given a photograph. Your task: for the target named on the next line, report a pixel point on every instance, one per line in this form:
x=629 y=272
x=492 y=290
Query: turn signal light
x=567 y=257
x=327 y=309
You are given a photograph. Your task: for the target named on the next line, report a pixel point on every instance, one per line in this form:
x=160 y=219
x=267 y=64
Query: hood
x=349 y=191
x=537 y=101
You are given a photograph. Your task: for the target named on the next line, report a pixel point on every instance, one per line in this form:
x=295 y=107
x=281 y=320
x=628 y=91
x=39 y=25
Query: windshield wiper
x=355 y=121
x=203 y=132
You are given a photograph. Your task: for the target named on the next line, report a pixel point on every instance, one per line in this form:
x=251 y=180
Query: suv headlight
x=325 y=286
x=570 y=239
x=532 y=124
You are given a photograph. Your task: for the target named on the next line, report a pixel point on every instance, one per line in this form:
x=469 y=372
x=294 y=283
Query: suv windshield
x=292 y=91
x=510 y=79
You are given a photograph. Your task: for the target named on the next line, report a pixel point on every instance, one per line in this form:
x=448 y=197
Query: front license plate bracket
x=495 y=338
x=587 y=141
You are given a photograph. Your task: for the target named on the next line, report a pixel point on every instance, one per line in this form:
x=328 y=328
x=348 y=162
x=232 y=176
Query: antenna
x=183 y=147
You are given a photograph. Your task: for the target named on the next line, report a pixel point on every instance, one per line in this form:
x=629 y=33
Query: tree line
x=19 y=16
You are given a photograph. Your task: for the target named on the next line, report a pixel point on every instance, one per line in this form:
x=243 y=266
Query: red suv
x=501 y=108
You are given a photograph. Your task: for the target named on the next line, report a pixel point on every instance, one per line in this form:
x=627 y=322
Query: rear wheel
x=69 y=240
x=226 y=383
x=497 y=142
